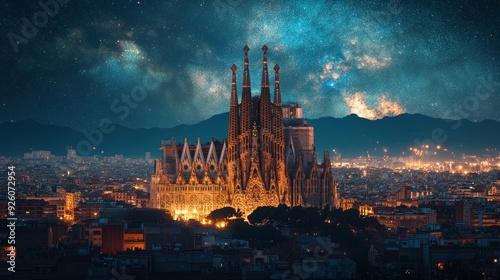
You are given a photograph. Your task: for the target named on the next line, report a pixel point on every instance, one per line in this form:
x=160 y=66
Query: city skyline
x=151 y=64
x=145 y=139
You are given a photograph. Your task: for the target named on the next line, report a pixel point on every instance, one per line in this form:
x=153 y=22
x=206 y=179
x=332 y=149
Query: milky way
x=164 y=63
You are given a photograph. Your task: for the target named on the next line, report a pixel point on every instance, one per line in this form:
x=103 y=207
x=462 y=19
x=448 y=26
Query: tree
x=269 y=215
x=262 y=215
x=224 y=213
x=350 y=215
x=261 y=237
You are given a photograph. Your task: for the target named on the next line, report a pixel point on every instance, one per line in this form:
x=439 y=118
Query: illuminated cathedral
x=262 y=162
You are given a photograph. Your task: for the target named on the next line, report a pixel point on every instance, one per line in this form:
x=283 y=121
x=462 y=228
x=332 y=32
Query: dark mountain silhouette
x=17 y=138
x=351 y=136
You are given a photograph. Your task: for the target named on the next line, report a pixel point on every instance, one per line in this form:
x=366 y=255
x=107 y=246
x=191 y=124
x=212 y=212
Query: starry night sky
x=375 y=58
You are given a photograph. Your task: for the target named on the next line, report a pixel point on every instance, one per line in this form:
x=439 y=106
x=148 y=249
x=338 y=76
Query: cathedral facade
x=258 y=165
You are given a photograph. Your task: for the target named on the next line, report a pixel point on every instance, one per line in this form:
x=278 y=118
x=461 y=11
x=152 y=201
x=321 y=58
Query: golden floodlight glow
x=206 y=221
x=220 y=224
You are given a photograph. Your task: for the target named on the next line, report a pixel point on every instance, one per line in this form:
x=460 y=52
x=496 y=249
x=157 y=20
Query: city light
x=221 y=224
x=372 y=178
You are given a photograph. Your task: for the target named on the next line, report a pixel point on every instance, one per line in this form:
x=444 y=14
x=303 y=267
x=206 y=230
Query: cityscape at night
x=227 y=139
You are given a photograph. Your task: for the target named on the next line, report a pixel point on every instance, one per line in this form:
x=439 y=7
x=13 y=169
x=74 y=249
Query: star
x=336 y=58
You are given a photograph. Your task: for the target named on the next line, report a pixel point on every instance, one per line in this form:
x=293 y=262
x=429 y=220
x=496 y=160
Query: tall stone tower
x=256 y=166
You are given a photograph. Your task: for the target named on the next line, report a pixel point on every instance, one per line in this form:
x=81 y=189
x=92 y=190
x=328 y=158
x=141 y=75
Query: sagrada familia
x=268 y=159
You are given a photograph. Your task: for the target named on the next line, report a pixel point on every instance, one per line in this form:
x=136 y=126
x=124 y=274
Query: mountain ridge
x=351 y=136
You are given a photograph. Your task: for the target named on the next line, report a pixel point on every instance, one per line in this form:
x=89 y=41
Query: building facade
x=262 y=162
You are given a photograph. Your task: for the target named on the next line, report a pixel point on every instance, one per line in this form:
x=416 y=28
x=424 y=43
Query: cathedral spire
x=246 y=73
x=277 y=93
x=234 y=120
x=246 y=98
x=265 y=97
x=234 y=92
x=326 y=159
x=279 y=129
x=315 y=157
x=265 y=75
